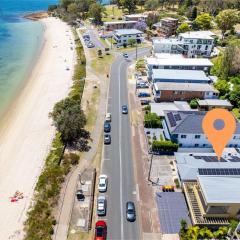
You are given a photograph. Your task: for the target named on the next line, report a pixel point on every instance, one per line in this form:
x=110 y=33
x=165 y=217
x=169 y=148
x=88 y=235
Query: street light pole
x=136 y=50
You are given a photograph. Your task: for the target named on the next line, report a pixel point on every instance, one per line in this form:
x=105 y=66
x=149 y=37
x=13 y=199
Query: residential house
x=190 y=44
x=111 y=26
x=166 y=27
x=201 y=64
x=210 y=186
x=135 y=17
x=209 y=104
x=122 y=36
x=185 y=128
x=168 y=91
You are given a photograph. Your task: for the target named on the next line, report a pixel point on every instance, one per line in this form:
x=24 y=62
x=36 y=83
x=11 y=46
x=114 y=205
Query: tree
x=96 y=11
x=130 y=5
x=226 y=20
x=193 y=103
x=188 y=3
x=64 y=3
x=194 y=13
x=203 y=21
x=234 y=96
x=222 y=86
x=184 y=27
x=72 y=8
x=151 y=5
x=141 y=26
x=152 y=120
x=151 y=19
x=69 y=119
x=183 y=228
x=131 y=41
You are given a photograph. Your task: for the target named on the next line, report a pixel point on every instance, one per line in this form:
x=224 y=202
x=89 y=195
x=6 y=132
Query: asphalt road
x=94 y=39
x=117 y=162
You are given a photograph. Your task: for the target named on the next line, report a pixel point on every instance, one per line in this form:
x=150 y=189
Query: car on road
x=130 y=211
x=144 y=94
x=107 y=139
x=107 y=127
x=90 y=45
x=125 y=55
x=124 y=109
x=100 y=230
x=103 y=182
x=108 y=117
x=101 y=206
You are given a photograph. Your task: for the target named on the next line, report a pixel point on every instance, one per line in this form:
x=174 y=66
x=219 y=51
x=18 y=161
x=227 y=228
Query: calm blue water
x=20 y=41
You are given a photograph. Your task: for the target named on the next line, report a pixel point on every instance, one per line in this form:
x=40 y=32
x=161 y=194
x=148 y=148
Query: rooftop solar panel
x=219 y=171
x=177 y=117
x=171 y=119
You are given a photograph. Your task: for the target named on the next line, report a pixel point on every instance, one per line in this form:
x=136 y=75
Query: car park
x=130 y=211
x=124 y=109
x=100 y=230
x=108 y=117
x=144 y=94
x=107 y=127
x=107 y=139
x=103 y=182
x=101 y=206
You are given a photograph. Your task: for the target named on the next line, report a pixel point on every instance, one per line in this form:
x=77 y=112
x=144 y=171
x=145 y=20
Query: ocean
x=20 y=44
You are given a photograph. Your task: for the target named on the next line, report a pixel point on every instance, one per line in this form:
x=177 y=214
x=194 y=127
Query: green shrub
x=193 y=103
x=152 y=120
x=164 y=146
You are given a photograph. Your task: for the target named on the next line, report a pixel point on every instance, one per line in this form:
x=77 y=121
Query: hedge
x=164 y=146
x=152 y=120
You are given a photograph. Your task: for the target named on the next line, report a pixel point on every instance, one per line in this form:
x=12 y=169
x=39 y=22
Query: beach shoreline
x=26 y=132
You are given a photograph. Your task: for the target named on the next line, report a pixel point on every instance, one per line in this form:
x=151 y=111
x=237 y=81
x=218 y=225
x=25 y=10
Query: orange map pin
x=219 y=137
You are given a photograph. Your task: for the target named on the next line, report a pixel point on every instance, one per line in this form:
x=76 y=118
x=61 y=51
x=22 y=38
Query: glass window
x=197 y=136
x=183 y=136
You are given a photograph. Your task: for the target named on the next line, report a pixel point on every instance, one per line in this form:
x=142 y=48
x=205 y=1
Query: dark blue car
x=144 y=94
x=107 y=127
x=124 y=109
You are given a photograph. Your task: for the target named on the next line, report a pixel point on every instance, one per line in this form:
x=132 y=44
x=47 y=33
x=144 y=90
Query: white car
x=108 y=117
x=102 y=185
x=101 y=206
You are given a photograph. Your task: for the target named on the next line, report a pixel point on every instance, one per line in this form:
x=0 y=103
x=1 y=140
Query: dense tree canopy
x=130 y=5
x=96 y=11
x=203 y=21
x=184 y=27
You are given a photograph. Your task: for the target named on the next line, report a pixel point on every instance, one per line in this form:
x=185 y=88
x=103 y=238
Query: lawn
x=113 y=13
x=102 y=65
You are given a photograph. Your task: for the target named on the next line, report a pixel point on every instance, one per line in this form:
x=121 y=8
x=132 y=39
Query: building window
x=180 y=145
x=204 y=145
x=183 y=136
x=196 y=145
x=197 y=136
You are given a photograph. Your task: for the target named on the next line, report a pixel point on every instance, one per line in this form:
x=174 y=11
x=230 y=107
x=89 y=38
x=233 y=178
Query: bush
x=164 y=146
x=152 y=120
x=193 y=103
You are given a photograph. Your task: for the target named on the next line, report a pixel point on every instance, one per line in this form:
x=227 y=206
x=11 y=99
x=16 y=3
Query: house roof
x=214 y=102
x=166 y=40
x=118 y=22
x=188 y=164
x=220 y=189
x=193 y=87
x=136 y=15
x=204 y=62
x=198 y=35
x=127 y=32
x=186 y=122
x=168 y=55
x=179 y=75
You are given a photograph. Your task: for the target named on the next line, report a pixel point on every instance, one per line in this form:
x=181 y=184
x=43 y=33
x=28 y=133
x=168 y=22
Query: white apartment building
x=122 y=36
x=190 y=44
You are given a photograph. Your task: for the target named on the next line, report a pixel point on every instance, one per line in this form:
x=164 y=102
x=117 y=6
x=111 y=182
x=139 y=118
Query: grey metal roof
x=193 y=87
x=214 y=102
x=127 y=32
x=219 y=189
x=190 y=122
x=172 y=208
x=179 y=74
x=189 y=163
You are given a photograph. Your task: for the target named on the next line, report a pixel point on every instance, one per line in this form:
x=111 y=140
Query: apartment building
x=135 y=17
x=122 y=36
x=166 y=27
x=190 y=44
x=111 y=26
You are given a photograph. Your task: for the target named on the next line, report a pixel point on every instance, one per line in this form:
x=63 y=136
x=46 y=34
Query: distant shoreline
x=36 y=15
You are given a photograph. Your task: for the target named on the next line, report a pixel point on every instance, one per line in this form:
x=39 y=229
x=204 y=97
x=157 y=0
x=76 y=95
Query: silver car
x=101 y=206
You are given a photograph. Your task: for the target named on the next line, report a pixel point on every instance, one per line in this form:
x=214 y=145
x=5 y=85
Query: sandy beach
x=27 y=132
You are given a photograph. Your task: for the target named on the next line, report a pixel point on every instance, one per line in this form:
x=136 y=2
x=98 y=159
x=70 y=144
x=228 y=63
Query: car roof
x=130 y=205
x=124 y=106
x=101 y=197
x=101 y=223
x=102 y=176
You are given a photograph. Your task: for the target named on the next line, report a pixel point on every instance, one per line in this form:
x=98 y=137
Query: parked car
x=144 y=94
x=125 y=55
x=90 y=45
x=100 y=230
x=101 y=206
x=124 y=109
x=142 y=85
x=145 y=102
x=107 y=127
x=108 y=117
x=86 y=36
x=107 y=139
x=130 y=212
x=103 y=182
x=79 y=195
